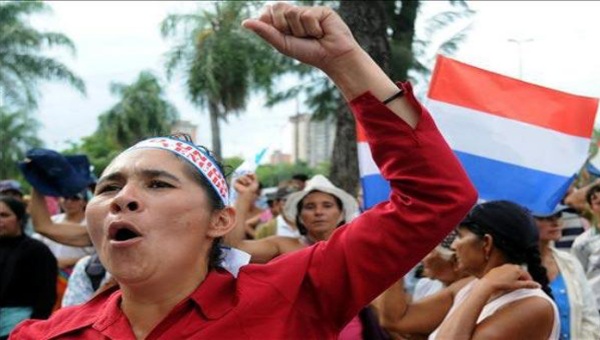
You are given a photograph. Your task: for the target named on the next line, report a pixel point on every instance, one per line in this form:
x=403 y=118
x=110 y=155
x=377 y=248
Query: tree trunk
x=213 y=111
x=344 y=157
x=368 y=22
x=403 y=27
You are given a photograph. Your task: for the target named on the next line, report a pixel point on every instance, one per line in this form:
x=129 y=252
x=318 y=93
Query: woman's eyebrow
x=153 y=173
x=148 y=173
x=115 y=176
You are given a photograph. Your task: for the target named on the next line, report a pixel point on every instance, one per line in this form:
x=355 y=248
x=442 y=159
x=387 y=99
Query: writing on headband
x=196 y=156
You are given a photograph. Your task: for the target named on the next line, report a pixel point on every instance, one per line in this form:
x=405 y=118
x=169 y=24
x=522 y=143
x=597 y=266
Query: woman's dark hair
x=300 y=177
x=17 y=207
x=514 y=233
x=591 y=192
x=301 y=228
x=215 y=254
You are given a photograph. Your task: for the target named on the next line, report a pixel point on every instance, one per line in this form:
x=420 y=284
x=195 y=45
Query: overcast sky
x=116 y=40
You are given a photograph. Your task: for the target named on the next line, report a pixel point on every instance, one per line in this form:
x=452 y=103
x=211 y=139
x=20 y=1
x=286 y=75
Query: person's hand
x=246 y=185
x=312 y=35
x=508 y=277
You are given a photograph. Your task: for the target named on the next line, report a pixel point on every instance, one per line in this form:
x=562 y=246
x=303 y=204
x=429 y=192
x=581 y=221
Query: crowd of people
x=155 y=249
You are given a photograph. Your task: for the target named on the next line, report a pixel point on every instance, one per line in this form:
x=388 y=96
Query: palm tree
x=22 y=65
x=221 y=62
x=140 y=113
x=18 y=133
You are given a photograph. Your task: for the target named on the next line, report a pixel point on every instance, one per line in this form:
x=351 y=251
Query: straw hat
x=322 y=184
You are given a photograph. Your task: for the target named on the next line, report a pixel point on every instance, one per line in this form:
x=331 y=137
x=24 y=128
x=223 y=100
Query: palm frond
x=22 y=63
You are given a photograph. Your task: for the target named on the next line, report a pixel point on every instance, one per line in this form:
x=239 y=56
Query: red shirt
x=314 y=292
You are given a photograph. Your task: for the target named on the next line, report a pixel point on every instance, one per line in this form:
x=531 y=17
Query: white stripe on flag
x=366 y=164
x=508 y=140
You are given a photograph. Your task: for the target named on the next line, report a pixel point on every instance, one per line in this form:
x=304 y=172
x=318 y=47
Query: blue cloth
x=53 y=174
x=561 y=298
x=11 y=316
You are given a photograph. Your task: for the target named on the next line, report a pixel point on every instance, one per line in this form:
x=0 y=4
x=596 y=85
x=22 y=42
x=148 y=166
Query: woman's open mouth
x=123 y=234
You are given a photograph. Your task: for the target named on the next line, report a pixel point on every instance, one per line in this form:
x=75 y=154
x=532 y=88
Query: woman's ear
x=488 y=245
x=222 y=222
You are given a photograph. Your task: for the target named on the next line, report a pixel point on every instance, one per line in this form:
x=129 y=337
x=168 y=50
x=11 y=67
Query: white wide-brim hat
x=322 y=184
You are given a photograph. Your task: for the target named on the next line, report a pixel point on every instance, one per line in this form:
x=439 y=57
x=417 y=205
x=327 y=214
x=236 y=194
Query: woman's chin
x=127 y=274
x=319 y=229
x=459 y=266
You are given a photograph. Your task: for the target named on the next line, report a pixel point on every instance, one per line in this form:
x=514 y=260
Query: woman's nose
x=125 y=201
x=453 y=244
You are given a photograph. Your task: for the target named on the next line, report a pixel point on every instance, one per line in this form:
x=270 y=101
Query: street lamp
x=519 y=43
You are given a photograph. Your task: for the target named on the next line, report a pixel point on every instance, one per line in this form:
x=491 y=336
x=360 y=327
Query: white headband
x=196 y=156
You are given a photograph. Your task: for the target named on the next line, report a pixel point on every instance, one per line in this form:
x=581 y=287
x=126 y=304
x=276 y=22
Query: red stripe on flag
x=360 y=133
x=464 y=85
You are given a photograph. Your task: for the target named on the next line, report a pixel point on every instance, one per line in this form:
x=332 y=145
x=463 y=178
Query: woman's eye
x=107 y=188
x=159 y=184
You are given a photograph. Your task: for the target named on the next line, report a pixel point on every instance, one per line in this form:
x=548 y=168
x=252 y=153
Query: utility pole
x=296 y=120
x=520 y=43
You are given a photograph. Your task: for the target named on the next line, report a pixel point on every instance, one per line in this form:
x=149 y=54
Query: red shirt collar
x=217 y=295
x=214 y=297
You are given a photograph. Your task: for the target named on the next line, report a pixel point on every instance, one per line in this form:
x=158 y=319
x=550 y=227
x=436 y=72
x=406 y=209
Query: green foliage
x=596 y=136
x=221 y=62
x=231 y=163
x=323 y=168
x=18 y=133
x=22 y=65
x=99 y=149
x=271 y=175
x=141 y=112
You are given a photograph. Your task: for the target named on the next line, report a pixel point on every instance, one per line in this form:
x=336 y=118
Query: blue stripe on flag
x=537 y=190
x=375 y=189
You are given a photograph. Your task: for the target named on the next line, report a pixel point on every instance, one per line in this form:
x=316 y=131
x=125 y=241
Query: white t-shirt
x=283 y=229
